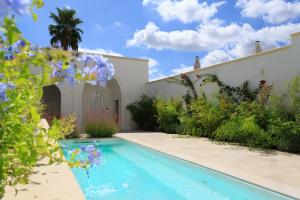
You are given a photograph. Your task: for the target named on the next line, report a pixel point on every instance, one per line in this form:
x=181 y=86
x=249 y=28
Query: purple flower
x=1 y=76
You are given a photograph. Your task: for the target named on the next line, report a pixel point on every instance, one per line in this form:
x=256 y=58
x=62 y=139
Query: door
x=94 y=107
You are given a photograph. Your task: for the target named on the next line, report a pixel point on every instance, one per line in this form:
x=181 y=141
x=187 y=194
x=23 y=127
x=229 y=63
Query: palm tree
x=65 y=29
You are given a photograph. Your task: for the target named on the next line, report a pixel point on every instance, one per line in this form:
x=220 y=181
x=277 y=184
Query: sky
x=171 y=33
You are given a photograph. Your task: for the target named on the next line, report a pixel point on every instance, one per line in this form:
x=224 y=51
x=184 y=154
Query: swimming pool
x=132 y=172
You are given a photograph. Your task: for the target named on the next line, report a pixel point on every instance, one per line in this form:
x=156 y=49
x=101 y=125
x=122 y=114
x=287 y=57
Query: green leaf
x=34 y=16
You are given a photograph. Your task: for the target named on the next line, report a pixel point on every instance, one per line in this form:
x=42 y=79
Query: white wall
x=277 y=66
x=131 y=75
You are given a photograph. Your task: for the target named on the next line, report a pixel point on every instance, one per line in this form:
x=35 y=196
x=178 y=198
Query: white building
x=276 y=66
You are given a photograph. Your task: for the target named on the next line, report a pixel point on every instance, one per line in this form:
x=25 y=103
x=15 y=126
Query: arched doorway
x=100 y=103
x=52 y=102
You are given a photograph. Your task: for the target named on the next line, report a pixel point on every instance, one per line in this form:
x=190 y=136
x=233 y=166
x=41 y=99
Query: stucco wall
x=131 y=76
x=277 y=66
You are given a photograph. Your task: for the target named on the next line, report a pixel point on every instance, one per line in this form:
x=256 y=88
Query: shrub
x=207 y=116
x=168 y=114
x=255 y=110
x=285 y=135
x=188 y=125
x=244 y=131
x=144 y=113
x=101 y=128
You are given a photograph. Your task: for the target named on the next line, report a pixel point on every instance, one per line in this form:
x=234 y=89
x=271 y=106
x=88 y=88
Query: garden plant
x=259 y=118
x=24 y=70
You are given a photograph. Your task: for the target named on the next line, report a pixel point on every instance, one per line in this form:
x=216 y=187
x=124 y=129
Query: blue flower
x=91 y=153
x=3 y=89
x=21 y=43
x=8 y=56
x=69 y=74
x=102 y=71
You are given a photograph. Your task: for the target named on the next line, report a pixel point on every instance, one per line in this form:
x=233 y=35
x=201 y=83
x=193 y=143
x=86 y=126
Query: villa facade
x=131 y=81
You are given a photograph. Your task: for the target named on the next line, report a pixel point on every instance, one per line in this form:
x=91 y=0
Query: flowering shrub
x=24 y=71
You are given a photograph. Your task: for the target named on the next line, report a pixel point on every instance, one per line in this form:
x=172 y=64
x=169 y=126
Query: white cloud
x=118 y=24
x=68 y=7
x=98 y=28
x=215 y=57
x=154 y=70
x=236 y=39
x=271 y=11
x=181 y=69
x=100 y=51
x=186 y=11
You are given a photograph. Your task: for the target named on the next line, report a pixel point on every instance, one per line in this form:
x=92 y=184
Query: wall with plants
x=256 y=118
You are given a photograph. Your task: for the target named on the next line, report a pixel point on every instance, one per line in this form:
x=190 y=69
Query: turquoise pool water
x=132 y=172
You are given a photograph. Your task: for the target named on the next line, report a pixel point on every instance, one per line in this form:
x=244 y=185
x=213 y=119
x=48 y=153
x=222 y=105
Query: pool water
x=132 y=172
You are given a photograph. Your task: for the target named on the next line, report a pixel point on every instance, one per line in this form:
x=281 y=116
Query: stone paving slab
x=275 y=170
x=54 y=182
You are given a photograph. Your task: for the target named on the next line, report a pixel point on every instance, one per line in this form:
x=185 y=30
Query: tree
x=65 y=29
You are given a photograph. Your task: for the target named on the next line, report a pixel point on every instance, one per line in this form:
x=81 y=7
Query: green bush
x=188 y=126
x=244 y=131
x=255 y=110
x=144 y=113
x=207 y=116
x=285 y=135
x=168 y=114
x=101 y=129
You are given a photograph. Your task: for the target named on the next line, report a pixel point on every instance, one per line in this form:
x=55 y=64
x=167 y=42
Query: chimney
x=257 y=47
x=197 y=63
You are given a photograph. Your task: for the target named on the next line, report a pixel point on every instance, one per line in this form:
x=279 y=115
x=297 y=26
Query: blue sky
x=171 y=33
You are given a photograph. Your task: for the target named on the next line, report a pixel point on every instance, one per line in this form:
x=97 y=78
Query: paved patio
x=272 y=169
x=275 y=170
x=54 y=182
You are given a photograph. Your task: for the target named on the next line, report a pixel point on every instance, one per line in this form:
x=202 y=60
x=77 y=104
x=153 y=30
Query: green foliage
x=168 y=114
x=189 y=126
x=294 y=94
x=191 y=93
x=23 y=141
x=65 y=29
x=285 y=135
x=257 y=119
x=101 y=128
x=236 y=94
x=206 y=115
x=244 y=131
x=144 y=113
